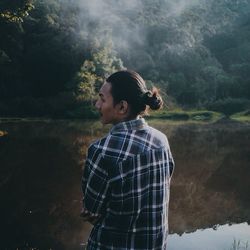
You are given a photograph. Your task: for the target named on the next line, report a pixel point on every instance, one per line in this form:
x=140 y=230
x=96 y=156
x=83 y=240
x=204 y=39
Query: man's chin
x=103 y=121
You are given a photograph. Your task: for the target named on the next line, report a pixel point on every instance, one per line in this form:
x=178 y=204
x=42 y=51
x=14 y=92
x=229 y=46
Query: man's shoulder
x=156 y=132
x=109 y=142
x=158 y=138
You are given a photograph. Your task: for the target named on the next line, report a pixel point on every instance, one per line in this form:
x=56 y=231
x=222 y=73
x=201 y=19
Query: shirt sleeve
x=171 y=163
x=95 y=182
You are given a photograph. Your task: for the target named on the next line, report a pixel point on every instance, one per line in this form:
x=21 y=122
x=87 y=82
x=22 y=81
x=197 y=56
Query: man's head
x=124 y=96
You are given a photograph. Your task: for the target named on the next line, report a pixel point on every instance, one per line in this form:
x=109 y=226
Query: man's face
x=104 y=104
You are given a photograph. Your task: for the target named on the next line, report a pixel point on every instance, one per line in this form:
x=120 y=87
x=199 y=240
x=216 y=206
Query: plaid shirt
x=126 y=184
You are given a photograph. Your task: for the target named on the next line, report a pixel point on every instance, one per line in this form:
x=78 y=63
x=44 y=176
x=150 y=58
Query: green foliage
x=180 y=115
x=242 y=116
x=15 y=11
x=229 y=106
x=85 y=81
x=85 y=110
x=198 y=54
x=90 y=77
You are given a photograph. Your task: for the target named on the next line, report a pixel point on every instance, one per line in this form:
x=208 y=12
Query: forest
x=54 y=55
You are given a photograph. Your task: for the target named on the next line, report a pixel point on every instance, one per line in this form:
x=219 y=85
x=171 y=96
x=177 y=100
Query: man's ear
x=123 y=107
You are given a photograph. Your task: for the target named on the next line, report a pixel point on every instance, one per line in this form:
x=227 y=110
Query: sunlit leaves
x=94 y=70
x=16 y=12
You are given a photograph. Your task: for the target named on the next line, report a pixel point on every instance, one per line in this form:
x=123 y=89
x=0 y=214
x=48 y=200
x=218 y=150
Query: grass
x=239 y=245
x=241 y=116
x=175 y=116
x=180 y=115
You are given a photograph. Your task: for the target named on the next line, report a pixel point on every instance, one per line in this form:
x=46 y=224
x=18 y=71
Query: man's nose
x=97 y=105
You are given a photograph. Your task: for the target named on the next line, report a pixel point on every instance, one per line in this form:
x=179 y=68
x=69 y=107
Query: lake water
x=40 y=171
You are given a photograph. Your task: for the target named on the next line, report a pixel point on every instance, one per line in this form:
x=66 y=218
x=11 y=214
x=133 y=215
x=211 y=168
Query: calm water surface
x=40 y=171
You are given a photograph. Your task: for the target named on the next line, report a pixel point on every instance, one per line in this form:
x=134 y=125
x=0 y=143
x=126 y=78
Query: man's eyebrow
x=101 y=94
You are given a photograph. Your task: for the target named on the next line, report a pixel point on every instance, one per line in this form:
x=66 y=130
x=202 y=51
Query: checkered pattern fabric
x=126 y=183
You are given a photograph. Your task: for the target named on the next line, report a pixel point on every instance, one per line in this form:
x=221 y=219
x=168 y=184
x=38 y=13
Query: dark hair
x=129 y=86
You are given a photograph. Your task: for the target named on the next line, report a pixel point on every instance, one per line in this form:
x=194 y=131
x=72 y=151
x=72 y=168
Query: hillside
x=55 y=54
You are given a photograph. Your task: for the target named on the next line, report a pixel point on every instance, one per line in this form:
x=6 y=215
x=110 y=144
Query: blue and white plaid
x=126 y=183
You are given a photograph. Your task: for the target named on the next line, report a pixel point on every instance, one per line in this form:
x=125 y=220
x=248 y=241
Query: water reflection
x=211 y=182
x=40 y=171
x=223 y=238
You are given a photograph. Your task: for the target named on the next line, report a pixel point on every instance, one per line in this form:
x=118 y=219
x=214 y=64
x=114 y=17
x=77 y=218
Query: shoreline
x=178 y=117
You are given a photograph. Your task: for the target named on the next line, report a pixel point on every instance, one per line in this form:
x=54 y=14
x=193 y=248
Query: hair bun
x=153 y=99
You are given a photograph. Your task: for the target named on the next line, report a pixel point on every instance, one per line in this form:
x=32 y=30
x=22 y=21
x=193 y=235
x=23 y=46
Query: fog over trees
x=55 y=54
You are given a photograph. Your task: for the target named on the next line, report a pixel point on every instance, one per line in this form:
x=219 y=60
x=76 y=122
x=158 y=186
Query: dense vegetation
x=55 y=54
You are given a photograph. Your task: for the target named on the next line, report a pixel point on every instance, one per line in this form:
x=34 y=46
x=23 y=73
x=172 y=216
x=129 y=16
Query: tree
x=15 y=11
x=94 y=70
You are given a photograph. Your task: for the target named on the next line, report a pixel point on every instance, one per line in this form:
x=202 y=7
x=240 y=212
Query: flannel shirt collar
x=136 y=124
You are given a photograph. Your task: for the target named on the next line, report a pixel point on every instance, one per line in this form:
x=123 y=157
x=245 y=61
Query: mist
x=128 y=23
x=197 y=51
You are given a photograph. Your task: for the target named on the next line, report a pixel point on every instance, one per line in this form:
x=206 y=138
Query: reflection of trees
x=211 y=181
x=41 y=163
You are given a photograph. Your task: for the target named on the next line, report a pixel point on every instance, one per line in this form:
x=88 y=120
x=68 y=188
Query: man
x=127 y=175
